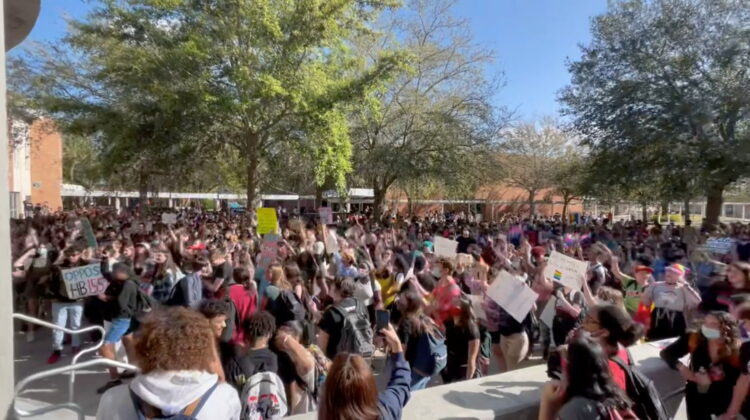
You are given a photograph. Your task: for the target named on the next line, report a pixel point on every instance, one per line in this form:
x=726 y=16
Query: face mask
x=437 y=273
x=710 y=333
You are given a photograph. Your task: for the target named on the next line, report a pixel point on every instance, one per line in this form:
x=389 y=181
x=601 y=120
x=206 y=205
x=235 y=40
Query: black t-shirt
x=224 y=271
x=464 y=243
x=332 y=323
x=409 y=338
x=241 y=367
x=457 y=341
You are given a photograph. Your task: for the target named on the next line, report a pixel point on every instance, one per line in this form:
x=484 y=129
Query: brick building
x=35 y=165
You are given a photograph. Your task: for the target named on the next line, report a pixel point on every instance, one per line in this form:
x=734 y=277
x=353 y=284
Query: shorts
x=120 y=327
x=514 y=347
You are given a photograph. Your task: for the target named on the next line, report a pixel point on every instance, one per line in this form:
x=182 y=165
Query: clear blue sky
x=531 y=38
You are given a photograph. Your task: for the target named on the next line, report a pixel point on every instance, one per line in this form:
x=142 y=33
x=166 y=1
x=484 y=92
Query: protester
x=412 y=331
x=444 y=298
x=296 y=369
x=672 y=298
x=589 y=392
x=714 y=365
x=64 y=308
x=256 y=357
x=175 y=349
x=462 y=340
x=345 y=310
x=351 y=393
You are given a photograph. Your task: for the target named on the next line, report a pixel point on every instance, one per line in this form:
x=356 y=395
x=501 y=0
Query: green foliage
x=660 y=95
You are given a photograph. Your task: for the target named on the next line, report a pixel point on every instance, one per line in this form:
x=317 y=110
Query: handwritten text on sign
x=84 y=281
x=566 y=270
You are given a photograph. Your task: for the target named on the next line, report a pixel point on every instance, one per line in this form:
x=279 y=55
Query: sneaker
x=75 y=350
x=54 y=357
x=30 y=336
x=111 y=384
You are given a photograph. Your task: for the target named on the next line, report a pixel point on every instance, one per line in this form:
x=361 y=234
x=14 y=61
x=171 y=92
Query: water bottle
x=702 y=389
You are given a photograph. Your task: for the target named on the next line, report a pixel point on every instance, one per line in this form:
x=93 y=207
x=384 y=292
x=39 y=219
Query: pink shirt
x=447 y=301
x=246 y=305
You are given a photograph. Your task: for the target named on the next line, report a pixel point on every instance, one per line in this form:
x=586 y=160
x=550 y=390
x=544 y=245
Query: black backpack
x=287 y=307
x=647 y=403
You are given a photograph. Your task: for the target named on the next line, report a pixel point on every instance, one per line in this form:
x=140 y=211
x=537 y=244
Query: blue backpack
x=432 y=354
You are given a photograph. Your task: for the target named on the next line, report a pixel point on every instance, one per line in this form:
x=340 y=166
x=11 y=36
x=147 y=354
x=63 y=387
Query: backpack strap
x=195 y=407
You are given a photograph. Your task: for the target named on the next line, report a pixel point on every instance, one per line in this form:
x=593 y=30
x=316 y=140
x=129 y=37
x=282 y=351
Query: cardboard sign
x=445 y=247
x=84 y=281
x=269 y=250
x=548 y=314
x=267 y=221
x=169 y=218
x=476 y=305
x=566 y=270
x=88 y=233
x=721 y=246
x=326 y=215
x=332 y=242
x=513 y=295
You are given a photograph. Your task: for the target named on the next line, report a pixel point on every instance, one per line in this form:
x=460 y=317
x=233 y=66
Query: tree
x=661 y=90
x=282 y=76
x=528 y=157
x=81 y=163
x=435 y=118
x=569 y=178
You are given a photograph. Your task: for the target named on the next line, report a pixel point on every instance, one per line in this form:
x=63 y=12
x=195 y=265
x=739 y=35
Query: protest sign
x=332 y=242
x=88 y=233
x=721 y=246
x=84 y=281
x=269 y=250
x=445 y=247
x=566 y=270
x=169 y=218
x=476 y=305
x=267 y=221
x=513 y=295
x=326 y=215
x=548 y=314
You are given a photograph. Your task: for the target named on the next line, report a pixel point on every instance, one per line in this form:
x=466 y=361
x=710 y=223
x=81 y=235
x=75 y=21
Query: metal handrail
x=97 y=346
x=51 y=372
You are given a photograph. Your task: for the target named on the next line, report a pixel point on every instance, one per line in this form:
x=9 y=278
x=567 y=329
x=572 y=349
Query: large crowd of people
x=225 y=323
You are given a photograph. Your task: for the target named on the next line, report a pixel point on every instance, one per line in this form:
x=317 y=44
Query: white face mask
x=710 y=333
x=436 y=272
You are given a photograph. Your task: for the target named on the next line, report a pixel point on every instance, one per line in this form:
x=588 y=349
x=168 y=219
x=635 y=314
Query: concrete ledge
x=515 y=395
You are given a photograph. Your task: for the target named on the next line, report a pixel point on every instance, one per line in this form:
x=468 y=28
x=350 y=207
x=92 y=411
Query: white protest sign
x=513 y=295
x=566 y=270
x=169 y=218
x=332 y=242
x=84 y=281
x=476 y=305
x=721 y=246
x=445 y=247
x=548 y=314
x=326 y=215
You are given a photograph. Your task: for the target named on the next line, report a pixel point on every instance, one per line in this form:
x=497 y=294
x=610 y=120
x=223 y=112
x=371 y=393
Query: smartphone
x=382 y=319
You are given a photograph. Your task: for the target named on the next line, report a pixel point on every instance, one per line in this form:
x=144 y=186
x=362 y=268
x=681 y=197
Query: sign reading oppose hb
x=84 y=281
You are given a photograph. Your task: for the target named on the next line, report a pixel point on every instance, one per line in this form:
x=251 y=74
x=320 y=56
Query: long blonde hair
x=277 y=277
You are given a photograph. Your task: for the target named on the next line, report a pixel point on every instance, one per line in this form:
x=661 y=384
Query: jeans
x=418 y=381
x=61 y=313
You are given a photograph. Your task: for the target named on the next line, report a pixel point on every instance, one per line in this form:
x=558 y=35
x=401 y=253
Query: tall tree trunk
x=252 y=179
x=663 y=210
x=566 y=201
x=142 y=191
x=378 y=201
x=714 y=201
x=686 y=209
x=532 y=203
x=318 y=196
x=644 y=212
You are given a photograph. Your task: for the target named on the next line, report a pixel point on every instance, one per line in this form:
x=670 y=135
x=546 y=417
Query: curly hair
x=175 y=339
x=730 y=334
x=260 y=324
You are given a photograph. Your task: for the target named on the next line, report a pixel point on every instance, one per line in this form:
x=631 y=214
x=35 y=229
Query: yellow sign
x=267 y=221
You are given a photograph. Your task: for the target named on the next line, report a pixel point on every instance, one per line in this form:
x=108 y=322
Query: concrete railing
x=515 y=395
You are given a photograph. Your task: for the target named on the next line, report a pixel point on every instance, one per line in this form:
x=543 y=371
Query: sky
x=531 y=39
